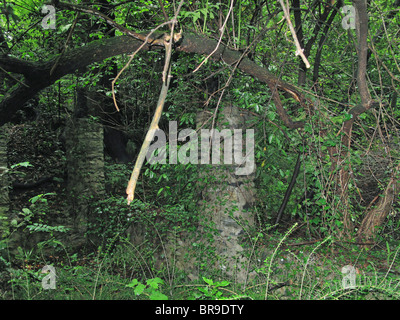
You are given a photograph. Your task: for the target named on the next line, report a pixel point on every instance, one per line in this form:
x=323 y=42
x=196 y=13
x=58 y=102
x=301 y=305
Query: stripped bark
x=377 y=215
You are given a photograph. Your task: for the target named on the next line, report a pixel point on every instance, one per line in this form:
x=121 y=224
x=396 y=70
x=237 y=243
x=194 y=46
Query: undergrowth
x=125 y=272
x=171 y=257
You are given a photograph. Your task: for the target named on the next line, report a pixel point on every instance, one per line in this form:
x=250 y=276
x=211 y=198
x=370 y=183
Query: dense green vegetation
x=337 y=121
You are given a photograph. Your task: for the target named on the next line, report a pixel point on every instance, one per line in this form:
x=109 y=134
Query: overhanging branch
x=96 y=51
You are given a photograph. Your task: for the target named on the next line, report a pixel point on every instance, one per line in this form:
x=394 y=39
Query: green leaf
x=35 y=198
x=330 y=143
x=21 y=164
x=348 y=116
x=65 y=27
x=222 y=283
x=26 y=211
x=338 y=223
x=139 y=289
x=153 y=283
x=133 y=283
x=363 y=116
x=337 y=119
x=208 y=281
x=204 y=290
x=323 y=229
x=158 y=296
x=270 y=138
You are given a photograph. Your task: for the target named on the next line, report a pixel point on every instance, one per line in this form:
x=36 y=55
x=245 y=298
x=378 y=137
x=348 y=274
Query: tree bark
x=377 y=215
x=37 y=74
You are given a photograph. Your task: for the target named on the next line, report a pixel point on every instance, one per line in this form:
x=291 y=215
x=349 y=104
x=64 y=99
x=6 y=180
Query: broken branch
x=300 y=50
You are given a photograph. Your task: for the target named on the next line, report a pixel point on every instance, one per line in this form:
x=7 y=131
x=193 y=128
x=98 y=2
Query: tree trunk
x=377 y=215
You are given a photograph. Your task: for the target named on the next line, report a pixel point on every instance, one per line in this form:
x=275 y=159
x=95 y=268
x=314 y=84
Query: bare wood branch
x=139 y=36
x=163 y=10
x=300 y=50
x=130 y=190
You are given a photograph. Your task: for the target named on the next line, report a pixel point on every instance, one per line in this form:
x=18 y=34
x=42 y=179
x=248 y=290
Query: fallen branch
x=130 y=190
x=168 y=42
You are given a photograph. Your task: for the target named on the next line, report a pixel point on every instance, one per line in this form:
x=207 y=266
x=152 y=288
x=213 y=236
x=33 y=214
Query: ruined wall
x=85 y=167
x=224 y=205
x=4 y=182
x=227 y=195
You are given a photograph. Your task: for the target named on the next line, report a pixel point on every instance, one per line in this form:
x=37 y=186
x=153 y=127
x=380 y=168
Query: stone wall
x=228 y=194
x=4 y=183
x=224 y=205
x=85 y=167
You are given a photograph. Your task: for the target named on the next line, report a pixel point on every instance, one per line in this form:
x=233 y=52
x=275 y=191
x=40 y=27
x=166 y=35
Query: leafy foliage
x=165 y=215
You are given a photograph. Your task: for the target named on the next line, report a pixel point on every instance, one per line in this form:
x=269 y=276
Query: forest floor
x=291 y=271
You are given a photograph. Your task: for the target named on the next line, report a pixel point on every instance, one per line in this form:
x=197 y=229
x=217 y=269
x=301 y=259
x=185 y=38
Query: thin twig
x=131 y=58
x=222 y=30
x=300 y=50
x=14 y=78
x=65 y=45
x=308 y=260
x=273 y=256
